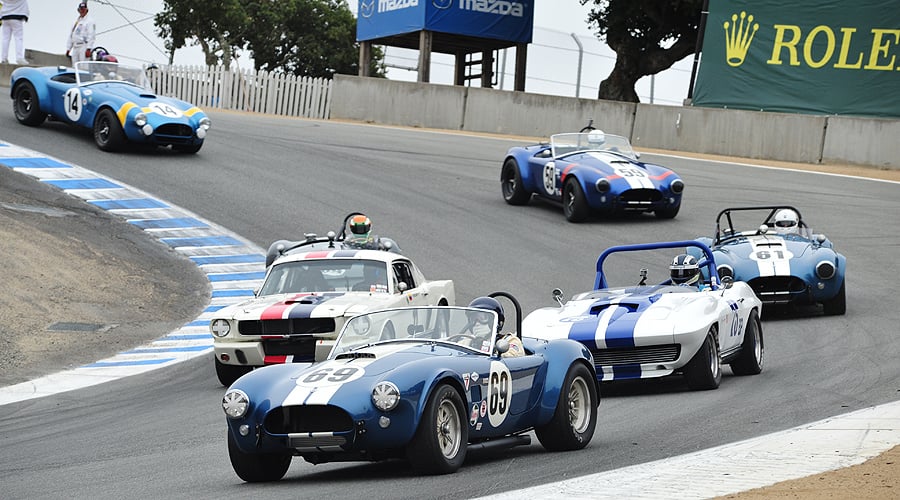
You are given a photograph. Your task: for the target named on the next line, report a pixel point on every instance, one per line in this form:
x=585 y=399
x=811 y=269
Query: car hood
x=307 y=305
x=346 y=378
x=623 y=317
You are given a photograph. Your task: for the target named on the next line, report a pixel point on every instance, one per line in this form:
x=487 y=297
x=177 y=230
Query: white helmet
x=787 y=221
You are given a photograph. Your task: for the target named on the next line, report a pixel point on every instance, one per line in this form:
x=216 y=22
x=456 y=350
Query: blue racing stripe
x=624 y=372
x=65 y=184
x=207 y=241
x=198 y=322
x=214 y=278
x=213 y=308
x=345 y=253
x=620 y=331
x=134 y=203
x=192 y=348
x=33 y=163
x=202 y=260
x=180 y=223
x=199 y=336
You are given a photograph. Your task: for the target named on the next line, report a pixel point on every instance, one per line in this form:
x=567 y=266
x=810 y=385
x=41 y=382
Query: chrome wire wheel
x=448 y=429
x=579 y=405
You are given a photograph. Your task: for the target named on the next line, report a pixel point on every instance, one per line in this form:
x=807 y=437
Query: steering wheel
x=461 y=336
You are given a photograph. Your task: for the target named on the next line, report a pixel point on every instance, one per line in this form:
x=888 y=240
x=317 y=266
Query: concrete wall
x=748 y=134
x=35 y=58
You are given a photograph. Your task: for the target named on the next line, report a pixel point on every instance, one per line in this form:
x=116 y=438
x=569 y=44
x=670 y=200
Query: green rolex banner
x=829 y=57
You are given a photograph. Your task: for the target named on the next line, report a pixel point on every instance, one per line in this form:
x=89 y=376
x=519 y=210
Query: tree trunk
x=619 y=85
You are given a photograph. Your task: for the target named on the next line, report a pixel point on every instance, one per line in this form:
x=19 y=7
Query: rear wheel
x=838 y=304
x=575 y=418
x=575 y=205
x=511 y=183
x=439 y=445
x=108 y=133
x=750 y=360
x=27 y=106
x=257 y=467
x=704 y=371
x=229 y=373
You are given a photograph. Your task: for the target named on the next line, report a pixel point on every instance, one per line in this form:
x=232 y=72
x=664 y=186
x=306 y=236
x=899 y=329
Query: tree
x=648 y=36
x=305 y=37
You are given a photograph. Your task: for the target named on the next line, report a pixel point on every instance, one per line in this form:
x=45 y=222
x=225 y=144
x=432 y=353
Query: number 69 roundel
x=499 y=393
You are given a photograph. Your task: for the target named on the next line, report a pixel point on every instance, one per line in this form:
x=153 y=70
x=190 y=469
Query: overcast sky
x=125 y=28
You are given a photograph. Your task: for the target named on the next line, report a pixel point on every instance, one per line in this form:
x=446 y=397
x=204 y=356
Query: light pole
x=580 y=57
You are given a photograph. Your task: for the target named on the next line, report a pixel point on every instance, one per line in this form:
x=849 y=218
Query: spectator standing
x=14 y=14
x=81 y=40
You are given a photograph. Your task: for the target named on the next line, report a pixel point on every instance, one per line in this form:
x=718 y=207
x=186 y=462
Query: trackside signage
x=805 y=56
x=508 y=20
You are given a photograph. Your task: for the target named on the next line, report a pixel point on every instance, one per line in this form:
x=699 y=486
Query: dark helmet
x=360 y=225
x=490 y=304
x=684 y=270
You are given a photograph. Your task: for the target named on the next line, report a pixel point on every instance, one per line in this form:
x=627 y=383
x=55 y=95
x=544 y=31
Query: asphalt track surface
x=162 y=433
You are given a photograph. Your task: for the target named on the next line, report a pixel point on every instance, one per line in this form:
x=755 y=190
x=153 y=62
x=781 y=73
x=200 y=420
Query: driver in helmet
x=685 y=271
x=481 y=329
x=361 y=233
x=787 y=221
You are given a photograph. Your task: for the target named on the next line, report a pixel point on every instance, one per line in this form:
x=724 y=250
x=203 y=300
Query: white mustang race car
x=648 y=331
x=307 y=297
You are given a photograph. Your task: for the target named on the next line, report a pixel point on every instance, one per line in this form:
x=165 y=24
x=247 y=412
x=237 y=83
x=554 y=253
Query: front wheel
x=257 y=467
x=439 y=444
x=575 y=418
x=704 y=371
x=575 y=205
x=188 y=148
x=750 y=360
x=27 y=106
x=229 y=373
x=108 y=133
x=511 y=183
x=838 y=304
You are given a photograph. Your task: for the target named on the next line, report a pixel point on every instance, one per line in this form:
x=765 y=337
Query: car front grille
x=176 y=133
x=303 y=349
x=778 y=289
x=307 y=419
x=636 y=355
x=298 y=326
x=639 y=197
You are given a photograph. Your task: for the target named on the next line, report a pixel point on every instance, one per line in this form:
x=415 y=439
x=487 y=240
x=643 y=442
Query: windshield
x=87 y=72
x=595 y=140
x=328 y=275
x=468 y=327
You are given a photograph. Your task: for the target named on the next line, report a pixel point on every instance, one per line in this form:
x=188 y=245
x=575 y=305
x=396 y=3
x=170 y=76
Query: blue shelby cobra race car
x=590 y=172
x=655 y=330
x=421 y=383
x=114 y=100
x=782 y=260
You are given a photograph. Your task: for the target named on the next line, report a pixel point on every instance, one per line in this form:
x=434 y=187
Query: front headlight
x=219 y=327
x=235 y=403
x=385 y=396
x=140 y=119
x=825 y=270
x=205 y=123
x=677 y=186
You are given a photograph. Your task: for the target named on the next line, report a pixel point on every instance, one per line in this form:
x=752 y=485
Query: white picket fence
x=258 y=92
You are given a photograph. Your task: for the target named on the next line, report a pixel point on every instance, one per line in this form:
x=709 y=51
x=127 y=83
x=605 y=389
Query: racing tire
x=257 y=467
x=229 y=373
x=439 y=444
x=573 y=423
x=511 y=183
x=575 y=206
x=667 y=213
x=27 y=106
x=108 y=133
x=704 y=371
x=750 y=359
x=837 y=305
x=187 y=148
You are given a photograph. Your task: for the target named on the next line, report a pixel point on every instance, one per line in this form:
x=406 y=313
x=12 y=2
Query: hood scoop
x=149 y=96
x=599 y=308
x=305 y=299
x=355 y=355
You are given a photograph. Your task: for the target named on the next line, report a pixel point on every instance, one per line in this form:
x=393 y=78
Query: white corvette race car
x=304 y=301
x=648 y=331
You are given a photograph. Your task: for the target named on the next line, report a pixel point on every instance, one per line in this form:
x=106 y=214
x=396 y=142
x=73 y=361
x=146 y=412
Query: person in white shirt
x=14 y=14
x=81 y=39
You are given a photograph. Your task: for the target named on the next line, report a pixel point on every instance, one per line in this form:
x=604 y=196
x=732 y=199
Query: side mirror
x=558 y=296
x=502 y=346
x=763 y=229
x=402 y=286
x=727 y=282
